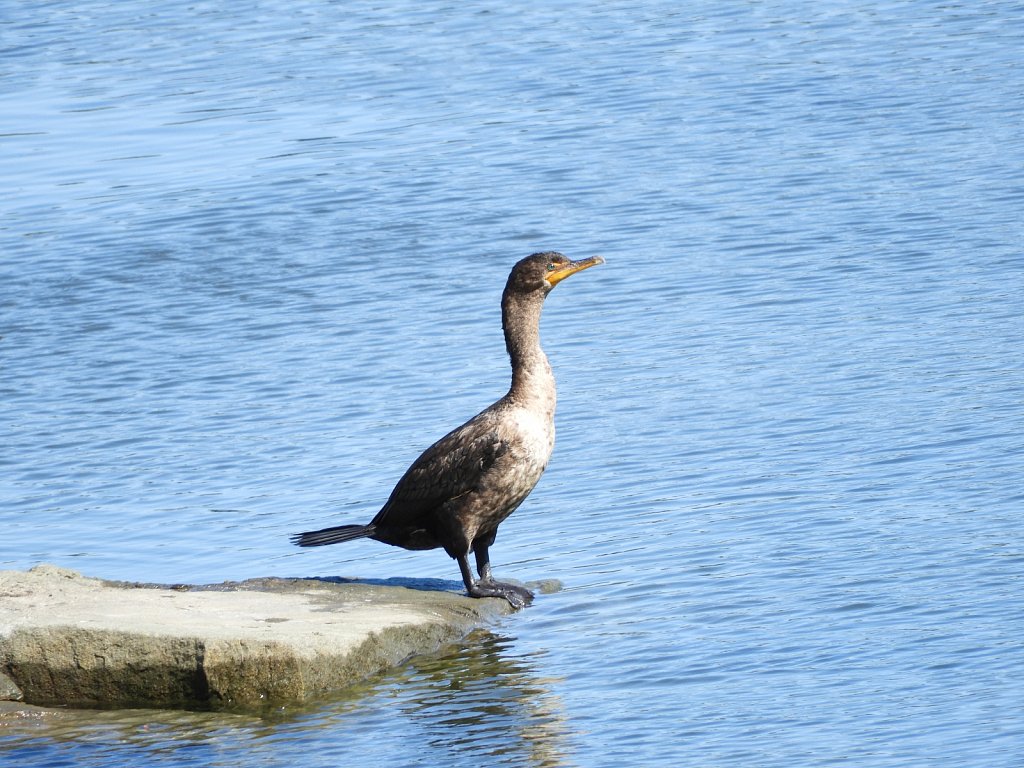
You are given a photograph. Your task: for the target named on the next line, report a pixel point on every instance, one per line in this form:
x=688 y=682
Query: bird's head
x=541 y=272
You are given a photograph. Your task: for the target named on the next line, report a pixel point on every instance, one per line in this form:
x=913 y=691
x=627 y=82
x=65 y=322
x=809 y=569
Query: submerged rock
x=66 y=639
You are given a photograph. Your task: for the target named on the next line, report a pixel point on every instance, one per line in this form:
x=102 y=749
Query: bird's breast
x=533 y=435
x=528 y=437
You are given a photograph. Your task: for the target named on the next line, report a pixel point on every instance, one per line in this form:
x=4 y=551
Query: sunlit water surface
x=250 y=262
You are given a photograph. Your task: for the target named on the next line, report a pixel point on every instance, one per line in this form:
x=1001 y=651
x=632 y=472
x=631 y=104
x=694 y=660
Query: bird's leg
x=467 y=574
x=483 y=563
x=516 y=596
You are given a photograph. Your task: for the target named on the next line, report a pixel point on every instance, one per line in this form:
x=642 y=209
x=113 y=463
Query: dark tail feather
x=333 y=535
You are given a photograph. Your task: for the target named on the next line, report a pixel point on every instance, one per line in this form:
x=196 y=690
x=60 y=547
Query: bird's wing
x=449 y=468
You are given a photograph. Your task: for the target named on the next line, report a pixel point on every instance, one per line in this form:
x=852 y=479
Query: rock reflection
x=43 y=733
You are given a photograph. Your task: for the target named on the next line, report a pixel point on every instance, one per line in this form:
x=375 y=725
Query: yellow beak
x=558 y=274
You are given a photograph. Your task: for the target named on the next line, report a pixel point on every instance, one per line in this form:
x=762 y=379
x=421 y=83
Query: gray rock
x=70 y=640
x=8 y=690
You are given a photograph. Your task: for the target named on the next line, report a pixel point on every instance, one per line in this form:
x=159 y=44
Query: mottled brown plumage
x=460 y=489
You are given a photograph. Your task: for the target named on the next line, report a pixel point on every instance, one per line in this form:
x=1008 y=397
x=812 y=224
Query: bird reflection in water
x=477 y=699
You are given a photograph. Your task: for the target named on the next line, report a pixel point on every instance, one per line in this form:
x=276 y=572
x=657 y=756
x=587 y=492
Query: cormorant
x=460 y=489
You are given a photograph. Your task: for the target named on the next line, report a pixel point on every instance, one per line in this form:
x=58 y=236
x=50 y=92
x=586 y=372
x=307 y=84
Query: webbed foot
x=518 y=597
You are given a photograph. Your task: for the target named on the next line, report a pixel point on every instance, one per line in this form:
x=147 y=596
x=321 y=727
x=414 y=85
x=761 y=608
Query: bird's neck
x=533 y=384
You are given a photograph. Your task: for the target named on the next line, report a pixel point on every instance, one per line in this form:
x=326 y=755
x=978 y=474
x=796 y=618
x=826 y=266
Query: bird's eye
x=551 y=267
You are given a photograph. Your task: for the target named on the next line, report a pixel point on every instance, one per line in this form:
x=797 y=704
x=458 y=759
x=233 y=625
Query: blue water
x=250 y=262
